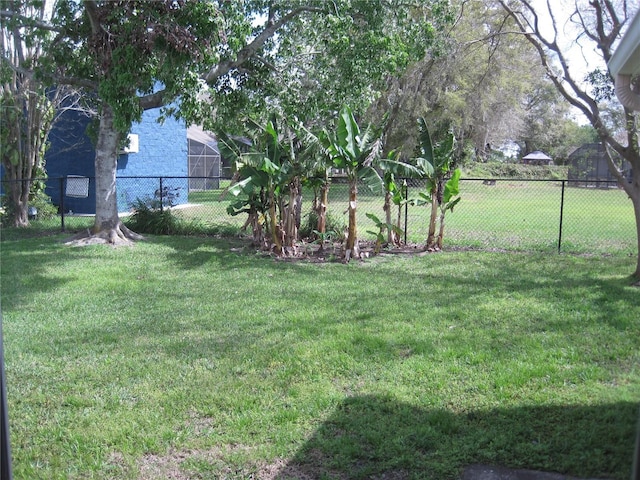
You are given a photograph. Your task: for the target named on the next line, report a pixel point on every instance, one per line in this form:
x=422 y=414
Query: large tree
x=132 y=56
x=27 y=107
x=599 y=23
x=550 y=125
x=476 y=85
x=135 y=55
x=341 y=54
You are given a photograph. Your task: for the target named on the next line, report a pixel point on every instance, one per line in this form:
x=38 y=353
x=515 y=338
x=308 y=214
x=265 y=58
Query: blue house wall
x=70 y=153
x=162 y=151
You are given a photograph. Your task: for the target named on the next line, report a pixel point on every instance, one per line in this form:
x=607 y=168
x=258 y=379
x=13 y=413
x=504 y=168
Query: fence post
x=61 y=203
x=161 y=198
x=561 y=215
x=5 y=454
x=406 y=206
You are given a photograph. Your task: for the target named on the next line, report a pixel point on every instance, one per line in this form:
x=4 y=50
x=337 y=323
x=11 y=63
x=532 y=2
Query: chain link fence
x=509 y=214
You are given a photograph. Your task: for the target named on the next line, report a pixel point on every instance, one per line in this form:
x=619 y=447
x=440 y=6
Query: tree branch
x=567 y=85
x=153 y=100
x=579 y=99
x=252 y=48
x=93 y=14
x=29 y=22
x=266 y=63
x=61 y=79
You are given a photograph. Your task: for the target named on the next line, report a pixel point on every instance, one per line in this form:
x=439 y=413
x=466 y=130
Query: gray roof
x=196 y=133
x=537 y=155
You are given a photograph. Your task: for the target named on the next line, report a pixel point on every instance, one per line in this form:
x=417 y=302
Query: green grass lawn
x=188 y=356
x=526 y=216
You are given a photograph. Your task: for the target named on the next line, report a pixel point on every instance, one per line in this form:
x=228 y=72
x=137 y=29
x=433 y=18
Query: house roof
x=596 y=149
x=537 y=155
x=196 y=133
x=626 y=59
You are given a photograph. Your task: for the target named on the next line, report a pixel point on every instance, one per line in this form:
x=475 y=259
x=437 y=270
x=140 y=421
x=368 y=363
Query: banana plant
x=437 y=163
x=356 y=152
x=249 y=186
x=382 y=228
x=261 y=178
x=393 y=170
x=317 y=170
x=450 y=199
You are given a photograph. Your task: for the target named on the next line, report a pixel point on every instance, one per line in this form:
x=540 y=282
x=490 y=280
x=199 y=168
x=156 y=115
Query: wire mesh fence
x=510 y=214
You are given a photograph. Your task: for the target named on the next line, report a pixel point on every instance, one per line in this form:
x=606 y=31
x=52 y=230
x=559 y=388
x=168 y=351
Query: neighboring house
x=625 y=64
x=537 y=158
x=205 y=161
x=588 y=164
x=155 y=150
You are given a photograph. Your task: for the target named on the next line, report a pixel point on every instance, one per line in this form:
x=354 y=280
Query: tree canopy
x=486 y=84
x=336 y=53
x=207 y=61
x=28 y=106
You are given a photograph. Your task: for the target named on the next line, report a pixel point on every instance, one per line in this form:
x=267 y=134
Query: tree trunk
x=107 y=226
x=441 y=231
x=632 y=189
x=298 y=206
x=276 y=229
x=19 y=168
x=253 y=221
x=635 y=199
x=321 y=208
x=431 y=238
x=352 y=249
x=105 y=165
x=19 y=201
x=391 y=234
x=26 y=120
x=399 y=221
x=291 y=220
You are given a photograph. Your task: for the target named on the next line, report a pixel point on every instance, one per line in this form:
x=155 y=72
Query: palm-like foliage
x=356 y=152
x=262 y=176
x=437 y=162
x=317 y=165
x=269 y=179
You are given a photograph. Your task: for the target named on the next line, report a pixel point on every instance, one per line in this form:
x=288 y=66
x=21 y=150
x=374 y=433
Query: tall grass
x=187 y=356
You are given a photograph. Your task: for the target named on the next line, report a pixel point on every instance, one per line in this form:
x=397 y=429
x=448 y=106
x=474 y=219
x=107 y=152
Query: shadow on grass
x=24 y=260
x=228 y=253
x=379 y=437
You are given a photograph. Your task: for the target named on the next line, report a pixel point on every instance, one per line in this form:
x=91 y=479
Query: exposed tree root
x=117 y=236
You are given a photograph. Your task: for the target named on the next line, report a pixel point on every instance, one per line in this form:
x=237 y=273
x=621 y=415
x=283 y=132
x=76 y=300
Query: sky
x=582 y=54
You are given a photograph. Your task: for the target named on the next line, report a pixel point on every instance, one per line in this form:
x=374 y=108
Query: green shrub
x=514 y=170
x=335 y=226
x=40 y=201
x=147 y=219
